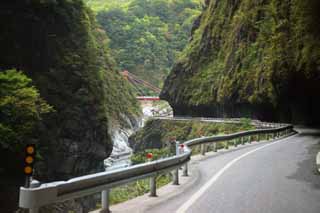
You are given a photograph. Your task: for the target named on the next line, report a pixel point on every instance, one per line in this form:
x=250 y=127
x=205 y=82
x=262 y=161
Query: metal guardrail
x=318 y=161
x=117 y=156
x=205 y=140
x=256 y=123
x=34 y=198
x=117 y=161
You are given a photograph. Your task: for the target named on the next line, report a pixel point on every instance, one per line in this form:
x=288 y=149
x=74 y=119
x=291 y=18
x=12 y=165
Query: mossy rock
x=250 y=58
x=58 y=44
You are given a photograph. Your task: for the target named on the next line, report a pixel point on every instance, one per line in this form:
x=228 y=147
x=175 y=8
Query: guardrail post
x=242 y=140
x=209 y=147
x=203 y=149
x=235 y=142
x=153 y=187
x=176 y=171
x=105 y=201
x=34 y=184
x=175 y=177
x=215 y=147
x=249 y=138
x=185 y=170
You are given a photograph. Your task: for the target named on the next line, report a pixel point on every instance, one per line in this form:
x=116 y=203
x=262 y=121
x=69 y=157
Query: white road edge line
x=205 y=187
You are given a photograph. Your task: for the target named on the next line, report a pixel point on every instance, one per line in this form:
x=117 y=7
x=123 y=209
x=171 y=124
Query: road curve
x=277 y=177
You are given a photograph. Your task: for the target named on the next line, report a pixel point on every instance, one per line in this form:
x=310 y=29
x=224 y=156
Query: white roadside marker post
x=185 y=167
x=153 y=179
x=176 y=171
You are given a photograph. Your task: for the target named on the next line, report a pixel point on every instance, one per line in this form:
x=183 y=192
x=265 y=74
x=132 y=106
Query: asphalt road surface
x=276 y=177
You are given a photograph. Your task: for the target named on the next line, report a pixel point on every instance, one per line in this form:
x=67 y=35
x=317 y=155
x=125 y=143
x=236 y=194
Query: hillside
x=58 y=45
x=250 y=58
x=159 y=134
x=146 y=36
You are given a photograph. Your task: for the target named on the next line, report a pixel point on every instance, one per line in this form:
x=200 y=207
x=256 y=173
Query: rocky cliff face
x=251 y=58
x=59 y=45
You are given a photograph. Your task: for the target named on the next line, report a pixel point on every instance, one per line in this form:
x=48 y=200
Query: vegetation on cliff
x=250 y=58
x=159 y=134
x=58 y=45
x=146 y=36
x=21 y=108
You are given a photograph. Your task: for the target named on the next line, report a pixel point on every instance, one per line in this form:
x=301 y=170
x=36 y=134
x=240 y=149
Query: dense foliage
x=252 y=58
x=135 y=189
x=58 y=45
x=65 y=53
x=21 y=112
x=146 y=36
x=141 y=156
x=21 y=108
x=159 y=134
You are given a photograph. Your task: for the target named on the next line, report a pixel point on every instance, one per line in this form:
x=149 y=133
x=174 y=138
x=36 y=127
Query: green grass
x=132 y=190
x=138 y=188
x=135 y=189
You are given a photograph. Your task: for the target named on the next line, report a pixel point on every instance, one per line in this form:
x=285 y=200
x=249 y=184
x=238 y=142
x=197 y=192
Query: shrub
x=21 y=108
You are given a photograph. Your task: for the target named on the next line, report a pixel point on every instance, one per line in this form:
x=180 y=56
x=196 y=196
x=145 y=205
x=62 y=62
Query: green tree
x=21 y=108
x=147 y=36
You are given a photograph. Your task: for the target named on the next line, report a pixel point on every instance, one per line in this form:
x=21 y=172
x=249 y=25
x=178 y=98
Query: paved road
x=278 y=177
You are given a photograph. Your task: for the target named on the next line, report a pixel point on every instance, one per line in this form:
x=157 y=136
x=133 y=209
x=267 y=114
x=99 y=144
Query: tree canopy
x=21 y=108
x=146 y=36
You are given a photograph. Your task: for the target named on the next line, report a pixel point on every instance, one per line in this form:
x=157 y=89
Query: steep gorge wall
x=254 y=58
x=58 y=44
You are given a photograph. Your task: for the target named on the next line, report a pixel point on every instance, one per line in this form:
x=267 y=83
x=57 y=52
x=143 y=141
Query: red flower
x=149 y=155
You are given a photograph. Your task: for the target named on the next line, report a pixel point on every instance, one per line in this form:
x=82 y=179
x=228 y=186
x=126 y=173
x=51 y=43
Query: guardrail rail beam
x=45 y=194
